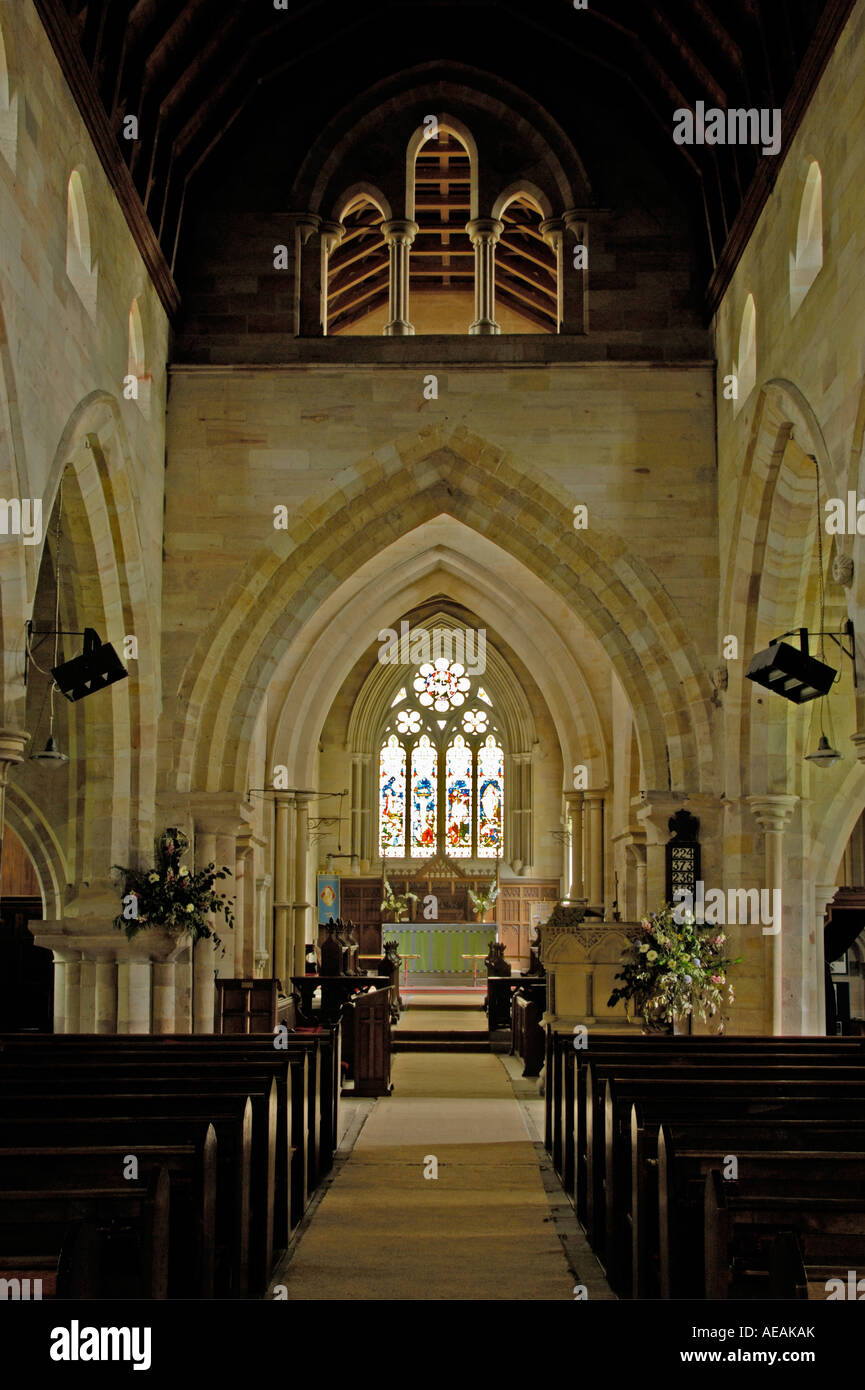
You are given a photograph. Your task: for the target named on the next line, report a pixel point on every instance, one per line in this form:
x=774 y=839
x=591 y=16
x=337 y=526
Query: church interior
x=432 y=764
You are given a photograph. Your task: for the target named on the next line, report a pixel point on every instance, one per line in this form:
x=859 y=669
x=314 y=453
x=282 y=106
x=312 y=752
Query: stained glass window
x=458 y=787
x=441 y=769
x=424 y=798
x=391 y=799
x=442 y=685
x=491 y=768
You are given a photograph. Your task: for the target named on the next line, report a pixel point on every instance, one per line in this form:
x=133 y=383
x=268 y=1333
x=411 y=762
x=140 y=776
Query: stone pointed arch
x=451 y=472
x=774 y=518
x=19 y=564
x=102 y=517
x=513 y=190
x=41 y=843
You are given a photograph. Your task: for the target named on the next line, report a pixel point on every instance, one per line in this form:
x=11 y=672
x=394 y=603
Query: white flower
x=153 y=878
x=645 y=946
x=190 y=907
x=652 y=955
x=184 y=872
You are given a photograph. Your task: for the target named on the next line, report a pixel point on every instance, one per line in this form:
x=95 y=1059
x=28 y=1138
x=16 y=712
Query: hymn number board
x=683 y=855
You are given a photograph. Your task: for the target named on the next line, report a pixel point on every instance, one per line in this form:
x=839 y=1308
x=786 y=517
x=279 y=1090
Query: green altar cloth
x=441 y=946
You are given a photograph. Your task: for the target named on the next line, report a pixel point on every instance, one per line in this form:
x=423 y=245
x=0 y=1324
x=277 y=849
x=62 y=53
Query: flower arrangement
x=483 y=900
x=397 y=903
x=675 y=969
x=170 y=895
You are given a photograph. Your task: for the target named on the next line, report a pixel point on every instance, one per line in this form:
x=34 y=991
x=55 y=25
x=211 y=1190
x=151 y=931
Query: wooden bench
x=755 y=1091
x=527 y=1036
x=741 y=1226
x=128 y=1225
x=192 y=1169
x=366 y=1042
x=669 y=1230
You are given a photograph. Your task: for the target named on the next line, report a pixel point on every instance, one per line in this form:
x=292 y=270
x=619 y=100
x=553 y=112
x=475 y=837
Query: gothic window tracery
x=441 y=769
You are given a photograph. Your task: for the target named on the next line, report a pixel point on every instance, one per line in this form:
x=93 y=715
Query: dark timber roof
x=187 y=68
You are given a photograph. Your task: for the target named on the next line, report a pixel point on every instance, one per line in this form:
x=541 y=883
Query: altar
x=440 y=947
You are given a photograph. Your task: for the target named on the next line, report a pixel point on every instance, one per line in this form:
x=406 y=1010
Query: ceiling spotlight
x=825 y=755
x=97 y=667
x=50 y=755
x=791 y=673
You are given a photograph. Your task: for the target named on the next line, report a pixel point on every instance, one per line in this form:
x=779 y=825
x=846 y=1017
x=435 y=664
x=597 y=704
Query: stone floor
x=442 y=1192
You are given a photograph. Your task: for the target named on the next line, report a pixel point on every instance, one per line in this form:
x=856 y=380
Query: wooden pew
x=192 y=1169
x=129 y=1220
x=740 y=1227
x=527 y=1035
x=366 y=1034
x=689 y=1091
x=605 y=1054
x=687 y=1151
x=791 y=1278
x=165 y=1120
x=321 y=1043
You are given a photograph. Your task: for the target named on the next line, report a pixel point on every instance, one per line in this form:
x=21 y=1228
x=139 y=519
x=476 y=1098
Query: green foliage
x=483 y=900
x=170 y=895
x=675 y=968
x=397 y=903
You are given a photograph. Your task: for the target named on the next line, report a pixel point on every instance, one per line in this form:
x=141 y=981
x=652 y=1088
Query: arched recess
x=745 y=369
x=358 y=267
x=420 y=138
x=138 y=377
x=445 y=471
x=19 y=563
x=111 y=735
x=396 y=107
x=80 y=265
x=771 y=583
x=509 y=713
x=39 y=839
x=526 y=265
x=806 y=260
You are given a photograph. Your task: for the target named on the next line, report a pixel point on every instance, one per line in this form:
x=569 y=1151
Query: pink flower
x=718 y=979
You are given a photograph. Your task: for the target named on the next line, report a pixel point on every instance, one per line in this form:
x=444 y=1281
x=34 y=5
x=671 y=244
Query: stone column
x=226 y=856
x=262 y=936
x=105 y=1003
x=163 y=997
x=301 y=882
x=59 y=994
x=595 y=847
x=552 y=229
x=640 y=881
x=72 y=1007
x=283 y=889
x=331 y=234
x=653 y=812
x=574 y=281
x=133 y=996
x=772 y=814
x=399 y=233
x=575 y=804
x=310 y=289
x=203 y=985
x=484 y=232
x=87 y=1002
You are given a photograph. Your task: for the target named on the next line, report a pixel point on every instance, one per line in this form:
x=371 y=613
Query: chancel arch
x=241 y=649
